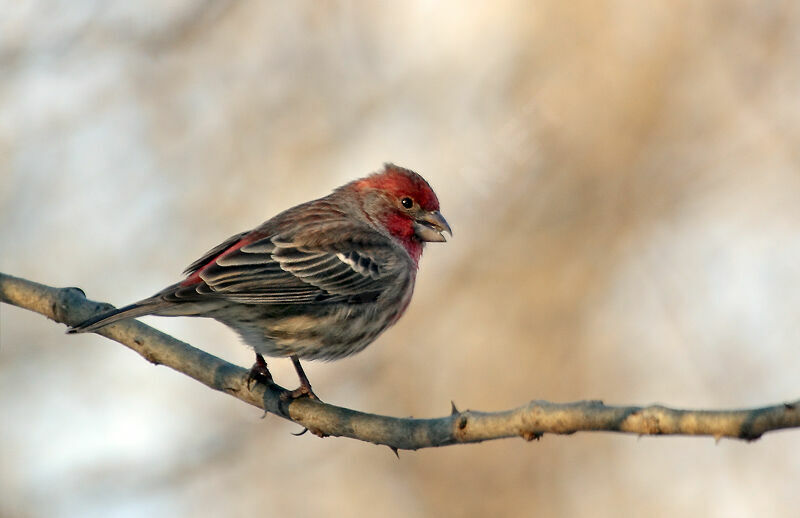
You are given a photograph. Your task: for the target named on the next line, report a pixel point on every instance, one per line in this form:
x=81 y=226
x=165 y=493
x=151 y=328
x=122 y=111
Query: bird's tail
x=138 y=309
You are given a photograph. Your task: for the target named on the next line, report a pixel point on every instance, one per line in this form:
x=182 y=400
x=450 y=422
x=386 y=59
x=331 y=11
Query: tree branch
x=530 y=421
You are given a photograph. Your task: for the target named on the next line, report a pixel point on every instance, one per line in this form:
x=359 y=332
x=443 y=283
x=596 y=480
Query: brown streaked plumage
x=318 y=281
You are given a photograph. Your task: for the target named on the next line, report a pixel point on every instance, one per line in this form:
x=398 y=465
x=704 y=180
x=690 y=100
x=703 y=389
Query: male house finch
x=318 y=281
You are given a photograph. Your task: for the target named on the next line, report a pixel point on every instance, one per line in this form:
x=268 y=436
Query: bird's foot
x=259 y=373
x=304 y=390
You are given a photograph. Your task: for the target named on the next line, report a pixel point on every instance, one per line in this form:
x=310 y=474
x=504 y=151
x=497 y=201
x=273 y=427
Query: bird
x=319 y=281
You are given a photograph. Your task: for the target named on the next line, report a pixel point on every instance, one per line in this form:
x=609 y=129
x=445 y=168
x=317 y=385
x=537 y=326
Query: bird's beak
x=429 y=226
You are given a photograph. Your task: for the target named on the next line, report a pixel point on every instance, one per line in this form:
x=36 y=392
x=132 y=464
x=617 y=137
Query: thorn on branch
x=394 y=450
x=453 y=409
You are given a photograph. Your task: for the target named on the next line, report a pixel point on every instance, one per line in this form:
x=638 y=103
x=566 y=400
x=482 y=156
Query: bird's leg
x=259 y=372
x=305 y=386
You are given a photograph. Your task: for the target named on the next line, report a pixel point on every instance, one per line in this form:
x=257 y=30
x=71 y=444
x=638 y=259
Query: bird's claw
x=304 y=390
x=301 y=391
x=259 y=373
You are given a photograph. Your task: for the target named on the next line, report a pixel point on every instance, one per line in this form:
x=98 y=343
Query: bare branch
x=531 y=421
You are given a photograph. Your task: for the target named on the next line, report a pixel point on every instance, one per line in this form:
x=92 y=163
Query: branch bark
x=530 y=421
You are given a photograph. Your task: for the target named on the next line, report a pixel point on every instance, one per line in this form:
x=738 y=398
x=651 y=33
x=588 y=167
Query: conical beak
x=430 y=226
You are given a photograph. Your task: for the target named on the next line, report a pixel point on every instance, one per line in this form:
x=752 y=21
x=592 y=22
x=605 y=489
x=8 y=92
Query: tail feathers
x=103 y=319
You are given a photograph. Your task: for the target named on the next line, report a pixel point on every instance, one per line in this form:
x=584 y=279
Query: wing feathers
x=316 y=261
x=214 y=252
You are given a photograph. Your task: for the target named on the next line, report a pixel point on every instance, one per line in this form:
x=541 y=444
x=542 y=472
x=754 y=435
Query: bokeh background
x=622 y=181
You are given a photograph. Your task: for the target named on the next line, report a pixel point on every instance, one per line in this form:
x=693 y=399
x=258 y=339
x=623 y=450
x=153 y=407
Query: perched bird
x=318 y=281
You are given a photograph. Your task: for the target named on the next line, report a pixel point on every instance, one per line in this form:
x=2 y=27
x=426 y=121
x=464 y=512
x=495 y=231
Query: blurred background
x=622 y=181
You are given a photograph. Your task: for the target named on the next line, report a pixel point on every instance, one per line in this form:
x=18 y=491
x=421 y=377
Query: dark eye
x=407 y=202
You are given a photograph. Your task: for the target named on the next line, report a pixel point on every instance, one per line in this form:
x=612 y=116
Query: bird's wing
x=288 y=269
x=213 y=253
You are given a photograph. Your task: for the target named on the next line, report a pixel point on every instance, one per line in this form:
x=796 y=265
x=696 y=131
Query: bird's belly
x=327 y=333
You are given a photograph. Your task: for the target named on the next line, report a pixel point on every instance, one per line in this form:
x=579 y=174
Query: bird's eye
x=407 y=202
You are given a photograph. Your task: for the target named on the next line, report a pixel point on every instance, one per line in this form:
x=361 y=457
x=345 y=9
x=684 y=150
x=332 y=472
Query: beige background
x=622 y=181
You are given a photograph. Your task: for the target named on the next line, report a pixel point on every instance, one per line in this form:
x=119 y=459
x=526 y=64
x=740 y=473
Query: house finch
x=318 y=281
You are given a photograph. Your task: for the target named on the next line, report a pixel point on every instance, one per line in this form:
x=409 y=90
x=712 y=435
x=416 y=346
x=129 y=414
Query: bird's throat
x=402 y=229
